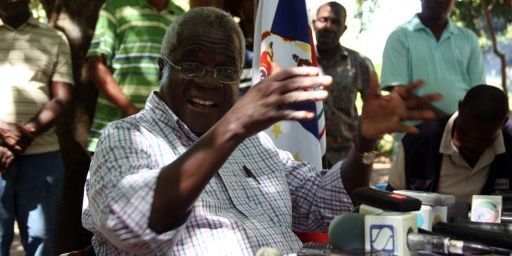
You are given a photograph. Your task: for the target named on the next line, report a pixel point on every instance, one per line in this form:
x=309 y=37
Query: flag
x=283 y=36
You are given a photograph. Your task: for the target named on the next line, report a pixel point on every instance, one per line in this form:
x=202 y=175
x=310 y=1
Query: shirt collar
x=169 y=8
x=31 y=21
x=447 y=147
x=341 y=52
x=417 y=25
x=160 y=111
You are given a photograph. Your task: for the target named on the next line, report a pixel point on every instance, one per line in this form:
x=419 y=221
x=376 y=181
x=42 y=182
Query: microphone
x=462 y=231
x=486 y=208
x=434 y=207
x=505 y=228
x=385 y=200
x=429 y=198
x=268 y=251
x=394 y=233
x=443 y=244
x=346 y=232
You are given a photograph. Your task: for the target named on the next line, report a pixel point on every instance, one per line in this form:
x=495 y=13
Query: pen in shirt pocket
x=250 y=174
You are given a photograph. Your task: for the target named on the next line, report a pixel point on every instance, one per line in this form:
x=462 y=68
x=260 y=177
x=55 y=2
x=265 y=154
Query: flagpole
x=255 y=9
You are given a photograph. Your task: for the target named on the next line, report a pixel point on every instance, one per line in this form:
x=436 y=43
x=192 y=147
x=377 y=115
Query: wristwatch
x=368 y=157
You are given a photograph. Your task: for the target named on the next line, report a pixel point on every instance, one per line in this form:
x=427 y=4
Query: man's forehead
x=192 y=49
x=333 y=9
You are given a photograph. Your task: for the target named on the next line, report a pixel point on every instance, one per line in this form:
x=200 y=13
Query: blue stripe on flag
x=291 y=20
x=310 y=125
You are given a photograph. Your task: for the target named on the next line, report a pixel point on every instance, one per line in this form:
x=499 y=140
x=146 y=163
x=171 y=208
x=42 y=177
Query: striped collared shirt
x=31 y=57
x=128 y=35
x=256 y=199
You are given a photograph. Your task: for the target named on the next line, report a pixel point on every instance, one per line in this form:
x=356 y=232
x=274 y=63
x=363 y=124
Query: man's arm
x=60 y=97
x=107 y=85
x=381 y=115
x=18 y=137
x=180 y=183
x=397 y=171
x=475 y=68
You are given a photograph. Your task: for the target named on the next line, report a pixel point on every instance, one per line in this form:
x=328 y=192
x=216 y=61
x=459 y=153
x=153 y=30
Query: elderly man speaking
x=192 y=173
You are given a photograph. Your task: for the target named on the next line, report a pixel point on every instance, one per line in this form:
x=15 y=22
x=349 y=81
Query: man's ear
x=343 y=30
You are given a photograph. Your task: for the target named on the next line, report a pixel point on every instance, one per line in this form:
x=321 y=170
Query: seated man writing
x=191 y=174
x=467 y=153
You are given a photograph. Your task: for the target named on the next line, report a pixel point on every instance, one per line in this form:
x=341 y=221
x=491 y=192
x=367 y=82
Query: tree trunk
x=500 y=55
x=77 y=20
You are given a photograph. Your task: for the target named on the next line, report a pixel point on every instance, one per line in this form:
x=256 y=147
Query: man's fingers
x=303 y=96
x=408 y=91
x=406 y=128
x=419 y=115
x=304 y=83
x=428 y=98
x=294 y=71
x=16 y=149
x=296 y=115
x=423 y=101
x=414 y=85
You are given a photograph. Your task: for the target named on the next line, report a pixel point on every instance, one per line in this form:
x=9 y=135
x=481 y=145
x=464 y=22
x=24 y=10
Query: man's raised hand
x=384 y=114
x=267 y=102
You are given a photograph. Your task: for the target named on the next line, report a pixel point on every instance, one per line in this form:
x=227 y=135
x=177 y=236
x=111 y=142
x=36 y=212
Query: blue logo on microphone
x=382 y=238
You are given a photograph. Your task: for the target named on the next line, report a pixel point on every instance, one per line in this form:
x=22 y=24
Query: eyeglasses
x=192 y=70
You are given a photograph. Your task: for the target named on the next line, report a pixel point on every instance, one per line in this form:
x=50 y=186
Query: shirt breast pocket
x=42 y=71
x=243 y=192
x=258 y=192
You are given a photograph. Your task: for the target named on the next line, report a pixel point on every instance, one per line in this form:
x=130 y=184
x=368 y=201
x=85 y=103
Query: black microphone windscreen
x=346 y=232
x=385 y=200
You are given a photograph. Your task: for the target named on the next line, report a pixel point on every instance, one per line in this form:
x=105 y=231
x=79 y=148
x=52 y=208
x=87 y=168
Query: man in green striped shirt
x=123 y=57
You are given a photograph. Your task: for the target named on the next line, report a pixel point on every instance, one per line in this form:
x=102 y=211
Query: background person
x=351 y=73
x=465 y=154
x=35 y=67
x=123 y=55
x=430 y=47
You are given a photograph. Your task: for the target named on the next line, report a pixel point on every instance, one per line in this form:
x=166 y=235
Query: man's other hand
x=15 y=137
x=6 y=158
x=384 y=114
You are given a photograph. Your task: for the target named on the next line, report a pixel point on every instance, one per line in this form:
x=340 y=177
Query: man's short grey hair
x=201 y=16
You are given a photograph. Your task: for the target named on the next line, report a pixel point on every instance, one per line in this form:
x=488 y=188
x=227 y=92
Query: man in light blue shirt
x=430 y=47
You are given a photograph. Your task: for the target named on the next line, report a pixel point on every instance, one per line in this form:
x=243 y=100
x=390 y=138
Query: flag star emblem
x=276 y=130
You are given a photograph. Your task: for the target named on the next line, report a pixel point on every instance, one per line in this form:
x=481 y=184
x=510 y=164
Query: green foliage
x=38 y=11
x=365 y=9
x=183 y=4
x=385 y=145
x=469 y=14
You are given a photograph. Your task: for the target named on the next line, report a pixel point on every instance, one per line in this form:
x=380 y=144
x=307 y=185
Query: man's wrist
x=365 y=147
